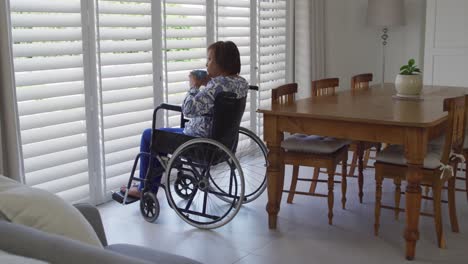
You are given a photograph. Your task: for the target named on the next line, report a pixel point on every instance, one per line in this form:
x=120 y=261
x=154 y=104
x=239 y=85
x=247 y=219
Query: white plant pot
x=408 y=85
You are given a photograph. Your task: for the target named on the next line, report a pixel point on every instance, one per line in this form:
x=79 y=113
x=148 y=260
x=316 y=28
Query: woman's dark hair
x=226 y=56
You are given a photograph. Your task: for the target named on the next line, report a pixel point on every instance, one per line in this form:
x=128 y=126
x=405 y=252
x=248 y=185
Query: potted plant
x=409 y=82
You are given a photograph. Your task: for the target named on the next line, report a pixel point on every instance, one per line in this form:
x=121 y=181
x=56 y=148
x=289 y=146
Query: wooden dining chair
x=465 y=155
x=325 y=87
x=391 y=163
x=361 y=149
x=440 y=141
x=312 y=151
x=361 y=82
x=284 y=94
x=465 y=178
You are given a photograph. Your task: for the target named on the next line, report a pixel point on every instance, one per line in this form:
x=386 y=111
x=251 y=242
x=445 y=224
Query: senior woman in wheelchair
x=223 y=67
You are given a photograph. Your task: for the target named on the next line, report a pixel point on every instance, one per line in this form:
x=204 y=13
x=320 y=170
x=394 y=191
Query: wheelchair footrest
x=119 y=197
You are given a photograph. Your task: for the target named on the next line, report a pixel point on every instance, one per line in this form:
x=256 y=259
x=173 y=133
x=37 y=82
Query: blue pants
x=144 y=159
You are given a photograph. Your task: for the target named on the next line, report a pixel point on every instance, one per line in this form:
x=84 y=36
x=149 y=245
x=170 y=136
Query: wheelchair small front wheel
x=184 y=185
x=149 y=207
x=217 y=179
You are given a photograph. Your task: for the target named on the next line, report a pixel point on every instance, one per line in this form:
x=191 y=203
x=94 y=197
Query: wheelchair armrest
x=164 y=106
x=170 y=107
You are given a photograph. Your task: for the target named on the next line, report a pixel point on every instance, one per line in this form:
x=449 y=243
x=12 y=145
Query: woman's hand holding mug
x=198 y=78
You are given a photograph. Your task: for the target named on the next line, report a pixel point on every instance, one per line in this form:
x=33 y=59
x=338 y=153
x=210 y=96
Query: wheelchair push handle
x=253 y=87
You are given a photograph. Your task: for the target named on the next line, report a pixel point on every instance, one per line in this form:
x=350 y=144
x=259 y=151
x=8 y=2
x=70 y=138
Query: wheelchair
x=206 y=180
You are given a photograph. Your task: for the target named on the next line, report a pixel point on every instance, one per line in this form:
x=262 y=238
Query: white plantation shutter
x=126 y=68
x=184 y=48
x=89 y=74
x=48 y=65
x=233 y=22
x=272 y=32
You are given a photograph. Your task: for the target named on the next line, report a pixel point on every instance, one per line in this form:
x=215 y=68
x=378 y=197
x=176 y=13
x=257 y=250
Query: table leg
x=415 y=151
x=275 y=170
x=360 y=152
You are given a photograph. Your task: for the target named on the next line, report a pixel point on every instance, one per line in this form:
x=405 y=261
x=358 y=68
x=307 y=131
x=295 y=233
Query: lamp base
x=384 y=38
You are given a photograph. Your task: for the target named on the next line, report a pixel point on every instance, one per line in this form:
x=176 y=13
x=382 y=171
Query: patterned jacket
x=199 y=103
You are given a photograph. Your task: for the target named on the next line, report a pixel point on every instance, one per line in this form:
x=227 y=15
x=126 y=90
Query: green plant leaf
x=410 y=68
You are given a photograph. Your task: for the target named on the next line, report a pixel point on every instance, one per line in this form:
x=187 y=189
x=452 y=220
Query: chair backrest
x=361 y=81
x=455 y=133
x=227 y=116
x=325 y=87
x=284 y=94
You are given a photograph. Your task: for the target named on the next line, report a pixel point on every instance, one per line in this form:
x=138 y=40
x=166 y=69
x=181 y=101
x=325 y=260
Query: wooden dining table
x=373 y=115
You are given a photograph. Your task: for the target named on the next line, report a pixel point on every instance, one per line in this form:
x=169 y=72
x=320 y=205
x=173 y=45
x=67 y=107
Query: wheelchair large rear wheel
x=252 y=155
x=214 y=173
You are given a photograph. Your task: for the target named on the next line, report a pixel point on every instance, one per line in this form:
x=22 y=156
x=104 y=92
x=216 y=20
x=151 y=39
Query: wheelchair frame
x=149 y=205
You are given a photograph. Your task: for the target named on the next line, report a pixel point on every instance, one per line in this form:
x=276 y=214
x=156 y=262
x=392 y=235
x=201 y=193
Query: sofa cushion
x=29 y=242
x=150 y=255
x=44 y=211
x=2 y=216
x=8 y=258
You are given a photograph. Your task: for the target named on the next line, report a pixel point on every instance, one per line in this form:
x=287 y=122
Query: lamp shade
x=386 y=13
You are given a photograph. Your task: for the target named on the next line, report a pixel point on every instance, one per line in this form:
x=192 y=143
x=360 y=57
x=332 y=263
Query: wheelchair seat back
x=227 y=116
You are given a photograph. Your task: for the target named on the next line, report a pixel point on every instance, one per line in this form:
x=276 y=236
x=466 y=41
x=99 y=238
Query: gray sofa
x=29 y=242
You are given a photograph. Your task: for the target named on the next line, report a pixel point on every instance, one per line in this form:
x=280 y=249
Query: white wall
x=352 y=47
x=446 y=50
x=302 y=52
x=309 y=43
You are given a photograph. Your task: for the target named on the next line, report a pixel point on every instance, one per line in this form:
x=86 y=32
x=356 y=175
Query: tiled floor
x=302 y=236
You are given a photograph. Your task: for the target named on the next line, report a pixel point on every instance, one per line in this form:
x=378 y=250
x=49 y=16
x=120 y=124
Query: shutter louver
x=48 y=64
x=184 y=48
x=233 y=23
x=126 y=64
x=272 y=49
